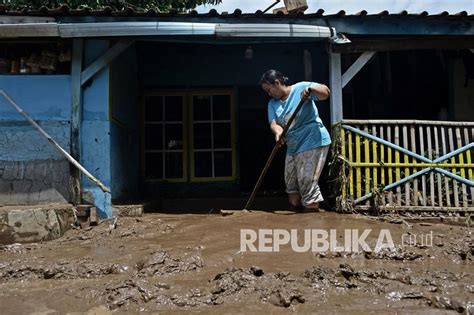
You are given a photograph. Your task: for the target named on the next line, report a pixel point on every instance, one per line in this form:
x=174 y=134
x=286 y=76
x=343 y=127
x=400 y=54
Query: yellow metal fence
x=407 y=165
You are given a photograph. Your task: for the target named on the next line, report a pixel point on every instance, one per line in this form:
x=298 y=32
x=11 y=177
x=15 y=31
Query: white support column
x=335 y=84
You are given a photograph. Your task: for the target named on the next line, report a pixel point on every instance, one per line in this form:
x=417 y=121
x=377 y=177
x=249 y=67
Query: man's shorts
x=302 y=172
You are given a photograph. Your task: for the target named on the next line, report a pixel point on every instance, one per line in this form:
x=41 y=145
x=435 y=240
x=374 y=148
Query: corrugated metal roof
x=129 y=12
x=384 y=23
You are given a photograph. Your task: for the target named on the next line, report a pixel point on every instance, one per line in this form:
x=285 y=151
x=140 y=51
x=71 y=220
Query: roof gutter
x=112 y=29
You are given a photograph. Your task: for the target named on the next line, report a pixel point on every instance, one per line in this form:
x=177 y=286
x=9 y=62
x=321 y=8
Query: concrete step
x=28 y=224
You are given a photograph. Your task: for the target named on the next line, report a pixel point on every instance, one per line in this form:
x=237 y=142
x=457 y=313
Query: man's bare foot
x=314 y=207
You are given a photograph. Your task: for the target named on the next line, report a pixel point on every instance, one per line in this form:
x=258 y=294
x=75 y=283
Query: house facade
x=168 y=105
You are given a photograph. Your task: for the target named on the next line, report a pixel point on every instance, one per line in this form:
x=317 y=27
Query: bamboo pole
x=446 y=181
x=367 y=159
x=358 y=171
x=407 y=169
x=430 y=156
x=438 y=175
x=54 y=143
x=375 y=159
x=468 y=160
x=423 y=178
x=413 y=148
x=453 y=170
x=397 y=171
x=343 y=152
x=382 y=159
x=390 y=170
x=351 y=171
x=462 y=171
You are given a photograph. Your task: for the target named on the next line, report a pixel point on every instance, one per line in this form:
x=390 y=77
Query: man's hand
x=279 y=139
x=321 y=92
x=277 y=131
x=306 y=93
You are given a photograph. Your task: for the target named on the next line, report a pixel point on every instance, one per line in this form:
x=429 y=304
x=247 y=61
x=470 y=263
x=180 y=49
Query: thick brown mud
x=163 y=263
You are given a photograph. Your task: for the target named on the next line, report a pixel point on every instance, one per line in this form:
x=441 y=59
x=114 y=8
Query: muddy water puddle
x=194 y=263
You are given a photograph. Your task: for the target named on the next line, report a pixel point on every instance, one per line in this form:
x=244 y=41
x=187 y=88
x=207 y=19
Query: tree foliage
x=138 y=5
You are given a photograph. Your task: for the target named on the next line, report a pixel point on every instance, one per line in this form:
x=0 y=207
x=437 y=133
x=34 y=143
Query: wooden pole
x=48 y=137
x=272 y=155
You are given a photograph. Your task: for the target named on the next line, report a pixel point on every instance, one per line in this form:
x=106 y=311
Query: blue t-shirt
x=307 y=130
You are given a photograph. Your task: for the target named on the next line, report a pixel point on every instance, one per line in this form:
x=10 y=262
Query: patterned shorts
x=302 y=172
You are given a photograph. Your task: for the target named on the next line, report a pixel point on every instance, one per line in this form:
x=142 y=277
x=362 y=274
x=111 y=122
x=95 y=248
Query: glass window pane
x=202 y=136
x=173 y=108
x=173 y=136
x=223 y=164
x=221 y=107
x=222 y=136
x=174 y=165
x=154 y=165
x=202 y=164
x=154 y=108
x=154 y=137
x=201 y=107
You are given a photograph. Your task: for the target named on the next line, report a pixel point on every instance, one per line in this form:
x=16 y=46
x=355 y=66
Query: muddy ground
x=164 y=263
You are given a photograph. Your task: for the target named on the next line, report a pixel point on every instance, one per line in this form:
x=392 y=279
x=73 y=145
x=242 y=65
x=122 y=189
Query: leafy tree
x=138 y=5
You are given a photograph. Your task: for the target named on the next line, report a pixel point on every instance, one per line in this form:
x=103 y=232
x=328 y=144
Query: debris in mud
x=318 y=273
x=161 y=262
x=447 y=303
x=128 y=292
x=257 y=271
x=324 y=278
x=470 y=287
x=81 y=269
x=133 y=293
x=18 y=247
x=463 y=249
x=285 y=299
x=127 y=233
x=396 y=254
x=278 y=289
x=408 y=284
x=347 y=271
x=397 y=296
x=118 y=227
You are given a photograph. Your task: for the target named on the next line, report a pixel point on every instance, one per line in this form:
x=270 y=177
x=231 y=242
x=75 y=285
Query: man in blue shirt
x=307 y=139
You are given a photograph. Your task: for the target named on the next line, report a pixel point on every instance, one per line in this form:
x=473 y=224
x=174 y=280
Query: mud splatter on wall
x=31 y=170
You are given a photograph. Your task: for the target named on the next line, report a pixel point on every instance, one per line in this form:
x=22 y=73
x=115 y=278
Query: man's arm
x=276 y=129
x=321 y=91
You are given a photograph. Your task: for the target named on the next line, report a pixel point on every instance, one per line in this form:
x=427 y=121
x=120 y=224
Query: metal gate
x=408 y=165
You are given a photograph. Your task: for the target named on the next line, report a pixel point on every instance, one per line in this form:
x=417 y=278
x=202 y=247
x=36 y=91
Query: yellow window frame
x=211 y=92
x=188 y=134
x=185 y=138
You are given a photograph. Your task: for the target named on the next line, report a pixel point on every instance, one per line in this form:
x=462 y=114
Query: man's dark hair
x=271 y=76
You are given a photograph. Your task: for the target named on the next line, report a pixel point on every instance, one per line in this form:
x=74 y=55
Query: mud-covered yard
x=187 y=262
